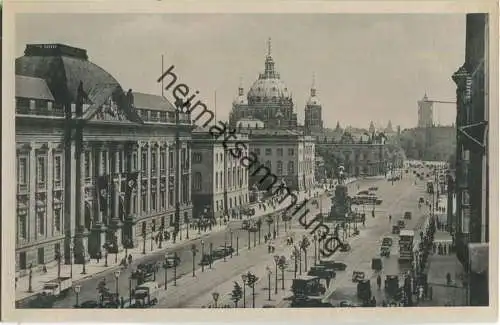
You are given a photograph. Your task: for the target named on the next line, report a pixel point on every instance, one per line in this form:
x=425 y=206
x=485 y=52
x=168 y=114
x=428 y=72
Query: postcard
x=209 y=161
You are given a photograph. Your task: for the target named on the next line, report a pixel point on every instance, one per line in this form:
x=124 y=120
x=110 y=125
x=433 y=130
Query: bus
x=406 y=246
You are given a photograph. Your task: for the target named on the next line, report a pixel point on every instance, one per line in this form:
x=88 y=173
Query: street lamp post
x=105 y=257
x=237 y=245
x=231 y=240
x=249 y=239
x=117 y=275
x=71 y=249
x=315 y=240
x=269 y=273
x=175 y=269
x=202 y=255
x=193 y=250
x=58 y=258
x=77 y=289
x=144 y=243
x=244 y=278
x=210 y=258
x=225 y=250
x=152 y=240
x=276 y=261
x=282 y=266
x=215 y=295
x=30 y=279
x=84 y=271
x=165 y=266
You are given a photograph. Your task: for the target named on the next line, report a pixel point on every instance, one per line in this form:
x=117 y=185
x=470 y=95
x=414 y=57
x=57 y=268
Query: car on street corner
x=336 y=266
x=345 y=248
x=172 y=260
x=347 y=304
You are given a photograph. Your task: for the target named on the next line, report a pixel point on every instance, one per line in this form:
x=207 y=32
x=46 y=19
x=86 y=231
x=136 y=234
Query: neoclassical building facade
x=95 y=164
x=220 y=181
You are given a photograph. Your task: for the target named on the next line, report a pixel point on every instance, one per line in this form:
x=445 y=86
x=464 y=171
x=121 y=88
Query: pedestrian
x=98 y=257
x=444 y=249
x=122 y=302
x=448 y=278
x=433 y=248
x=274 y=234
x=420 y=293
x=129 y=259
x=373 y=302
x=384 y=304
x=440 y=249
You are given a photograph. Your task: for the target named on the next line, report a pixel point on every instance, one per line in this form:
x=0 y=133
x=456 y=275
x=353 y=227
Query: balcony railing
x=22 y=188
x=41 y=185
x=56 y=111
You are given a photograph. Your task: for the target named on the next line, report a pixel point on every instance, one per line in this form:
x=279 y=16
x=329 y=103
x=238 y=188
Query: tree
x=236 y=294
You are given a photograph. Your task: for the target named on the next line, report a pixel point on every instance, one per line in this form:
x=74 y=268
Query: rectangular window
x=57 y=219
x=163 y=161
x=153 y=201
x=269 y=151
x=163 y=200
x=86 y=164
x=41 y=171
x=280 y=151
x=153 y=162
x=257 y=151
x=171 y=159
x=171 y=197
x=57 y=169
x=144 y=201
x=22 y=226
x=144 y=162
x=183 y=158
x=22 y=172
x=291 y=151
x=197 y=158
x=41 y=223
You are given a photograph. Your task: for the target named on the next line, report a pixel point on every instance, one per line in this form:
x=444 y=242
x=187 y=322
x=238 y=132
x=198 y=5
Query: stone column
x=31 y=220
x=116 y=222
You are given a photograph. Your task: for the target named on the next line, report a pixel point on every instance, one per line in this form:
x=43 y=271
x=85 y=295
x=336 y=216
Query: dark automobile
x=206 y=259
x=322 y=271
x=347 y=304
x=172 y=260
x=88 y=304
x=421 y=200
x=385 y=251
x=336 y=266
x=358 y=276
x=387 y=241
x=373 y=188
x=407 y=215
x=378 y=201
x=345 y=248
x=222 y=251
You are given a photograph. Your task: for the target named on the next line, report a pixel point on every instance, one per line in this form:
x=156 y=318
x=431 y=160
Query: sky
x=368 y=67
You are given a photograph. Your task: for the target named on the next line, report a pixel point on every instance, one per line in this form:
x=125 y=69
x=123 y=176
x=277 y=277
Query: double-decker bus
x=406 y=246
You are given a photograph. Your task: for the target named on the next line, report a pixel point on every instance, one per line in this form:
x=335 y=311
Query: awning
x=478 y=257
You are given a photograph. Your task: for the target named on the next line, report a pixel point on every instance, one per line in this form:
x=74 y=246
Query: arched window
x=197 y=181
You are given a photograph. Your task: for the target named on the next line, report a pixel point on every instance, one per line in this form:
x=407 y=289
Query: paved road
x=398 y=198
x=183 y=250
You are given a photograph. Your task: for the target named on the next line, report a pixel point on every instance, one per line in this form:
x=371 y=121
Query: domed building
x=92 y=161
x=268 y=100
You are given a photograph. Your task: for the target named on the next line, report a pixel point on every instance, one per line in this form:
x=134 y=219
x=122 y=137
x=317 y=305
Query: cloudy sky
x=367 y=67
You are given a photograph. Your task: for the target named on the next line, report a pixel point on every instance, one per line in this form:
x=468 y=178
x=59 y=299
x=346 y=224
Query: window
x=153 y=161
x=144 y=201
x=144 y=162
x=291 y=151
x=279 y=168
x=465 y=197
x=228 y=177
x=197 y=181
x=171 y=196
x=41 y=222
x=291 y=168
x=171 y=159
x=216 y=180
x=268 y=164
x=41 y=169
x=257 y=151
x=86 y=164
x=197 y=157
x=41 y=255
x=57 y=170
x=153 y=201
x=163 y=201
x=280 y=151
x=22 y=226
x=57 y=219
x=163 y=161
x=22 y=172
x=183 y=158
x=269 y=151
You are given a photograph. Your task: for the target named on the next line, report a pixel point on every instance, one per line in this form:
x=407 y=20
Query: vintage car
x=387 y=241
x=401 y=224
x=385 y=251
x=172 y=260
x=395 y=229
x=336 y=266
x=358 y=276
x=345 y=248
x=407 y=215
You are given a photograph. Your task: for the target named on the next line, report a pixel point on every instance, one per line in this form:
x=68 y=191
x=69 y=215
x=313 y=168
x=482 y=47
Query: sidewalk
x=93 y=268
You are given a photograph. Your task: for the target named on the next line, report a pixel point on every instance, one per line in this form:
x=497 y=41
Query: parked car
x=407 y=215
x=387 y=241
x=385 y=251
x=358 y=276
x=336 y=266
x=206 y=259
x=345 y=248
x=347 y=304
x=172 y=260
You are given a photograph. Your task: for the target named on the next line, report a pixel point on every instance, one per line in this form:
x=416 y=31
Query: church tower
x=313 y=121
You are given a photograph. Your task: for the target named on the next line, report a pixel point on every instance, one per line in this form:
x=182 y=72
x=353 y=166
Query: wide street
x=398 y=198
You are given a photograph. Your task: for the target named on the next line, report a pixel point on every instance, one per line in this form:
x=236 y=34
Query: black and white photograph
x=206 y=160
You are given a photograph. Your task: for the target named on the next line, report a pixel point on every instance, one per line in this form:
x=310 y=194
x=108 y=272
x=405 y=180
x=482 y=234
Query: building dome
x=268 y=90
x=269 y=87
x=64 y=67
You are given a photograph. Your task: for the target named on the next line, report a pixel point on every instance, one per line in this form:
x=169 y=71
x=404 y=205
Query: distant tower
x=389 y=129
x=425 y=112
x=372 y=128
x=313 y=116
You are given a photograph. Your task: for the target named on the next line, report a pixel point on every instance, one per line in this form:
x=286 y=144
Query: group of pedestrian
x=443 y=248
